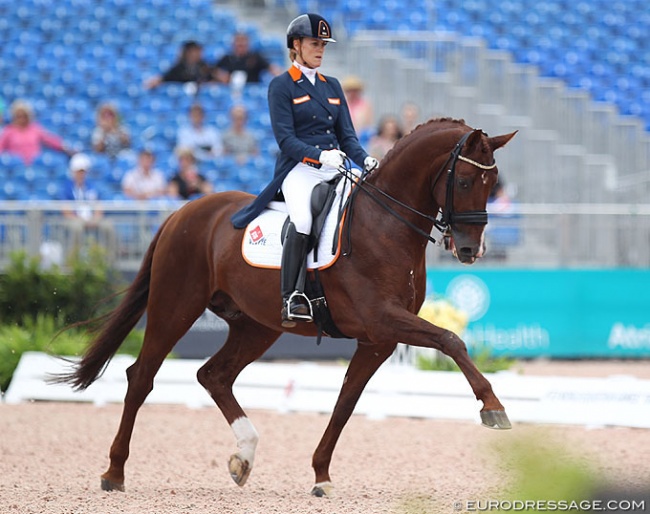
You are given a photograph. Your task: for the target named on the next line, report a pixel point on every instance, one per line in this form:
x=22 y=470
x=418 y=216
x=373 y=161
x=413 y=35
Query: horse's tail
x=113 y=327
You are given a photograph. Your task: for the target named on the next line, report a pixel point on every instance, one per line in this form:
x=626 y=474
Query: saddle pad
x=262 y=245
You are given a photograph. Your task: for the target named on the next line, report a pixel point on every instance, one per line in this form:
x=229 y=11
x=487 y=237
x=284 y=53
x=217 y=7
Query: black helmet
x=309 y=25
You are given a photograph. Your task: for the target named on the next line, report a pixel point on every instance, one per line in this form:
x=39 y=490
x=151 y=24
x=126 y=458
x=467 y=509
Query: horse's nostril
x=466 y=251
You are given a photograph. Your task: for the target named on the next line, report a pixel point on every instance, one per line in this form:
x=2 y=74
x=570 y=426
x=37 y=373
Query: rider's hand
x=370 y=164
x=332 y=158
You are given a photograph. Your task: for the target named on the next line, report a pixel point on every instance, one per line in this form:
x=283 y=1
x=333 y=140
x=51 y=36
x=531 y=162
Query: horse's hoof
x=497 y=419
x=239 y=469
x=108 y=485
x=324 y=489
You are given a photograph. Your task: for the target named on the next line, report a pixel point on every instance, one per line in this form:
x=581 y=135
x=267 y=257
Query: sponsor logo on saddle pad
x=256 y=234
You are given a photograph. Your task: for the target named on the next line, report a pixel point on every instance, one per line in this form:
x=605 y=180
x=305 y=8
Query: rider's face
x=310 y=51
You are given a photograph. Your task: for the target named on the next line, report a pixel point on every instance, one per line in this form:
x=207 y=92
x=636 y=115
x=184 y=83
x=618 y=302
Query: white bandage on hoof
x=247 y=438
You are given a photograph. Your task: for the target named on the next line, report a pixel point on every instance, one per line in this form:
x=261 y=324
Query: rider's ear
x=499 y=141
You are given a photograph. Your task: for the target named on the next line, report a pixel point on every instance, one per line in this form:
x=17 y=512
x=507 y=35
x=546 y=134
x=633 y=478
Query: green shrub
x=27 y=291
x=36 y=304
x=485 y=361
x=43 y=335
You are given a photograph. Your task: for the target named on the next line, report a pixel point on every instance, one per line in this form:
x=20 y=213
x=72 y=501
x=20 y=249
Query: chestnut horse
x=374 y=293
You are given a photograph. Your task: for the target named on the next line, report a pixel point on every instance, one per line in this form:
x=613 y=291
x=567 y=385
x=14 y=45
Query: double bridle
x=446 y=217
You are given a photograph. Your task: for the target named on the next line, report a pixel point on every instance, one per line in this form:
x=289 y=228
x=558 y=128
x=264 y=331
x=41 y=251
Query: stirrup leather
x=294 y=316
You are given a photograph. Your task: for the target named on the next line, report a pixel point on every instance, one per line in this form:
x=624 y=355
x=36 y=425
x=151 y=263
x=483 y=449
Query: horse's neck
x=400 y=186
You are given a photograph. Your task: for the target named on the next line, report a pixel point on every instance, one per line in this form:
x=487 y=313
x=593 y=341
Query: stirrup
x=289 y=318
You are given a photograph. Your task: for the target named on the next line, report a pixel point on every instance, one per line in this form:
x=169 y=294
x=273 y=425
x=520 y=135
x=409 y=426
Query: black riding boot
x=295 y=305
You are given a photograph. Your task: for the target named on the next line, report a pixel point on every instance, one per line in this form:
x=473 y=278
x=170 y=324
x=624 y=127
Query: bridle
x=449 y=217
x=446 y=217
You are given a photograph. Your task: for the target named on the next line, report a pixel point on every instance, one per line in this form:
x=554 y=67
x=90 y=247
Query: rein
x=448 y=216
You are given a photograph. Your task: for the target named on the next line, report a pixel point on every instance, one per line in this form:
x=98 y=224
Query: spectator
x=109 y=137
x=24 y=137
x=238 y=141
x=243 y=66
x=360 y=108
x=203 y=140
x=410 y=115
x=190 y=67
x=387 y=135
x=504 y=230
x=144 y=182
x=85 y=219
x=187 y=182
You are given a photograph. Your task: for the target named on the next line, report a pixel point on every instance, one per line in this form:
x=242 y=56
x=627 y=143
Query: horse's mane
x=431 y=125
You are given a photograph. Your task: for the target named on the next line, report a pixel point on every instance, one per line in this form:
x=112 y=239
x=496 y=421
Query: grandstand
x=572 y=76
x=68 y=57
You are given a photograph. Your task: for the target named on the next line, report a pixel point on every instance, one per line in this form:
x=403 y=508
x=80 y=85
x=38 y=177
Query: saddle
x=322 y=198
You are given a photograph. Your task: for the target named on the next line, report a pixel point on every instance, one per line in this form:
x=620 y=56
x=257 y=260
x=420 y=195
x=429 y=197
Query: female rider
x=312 y=125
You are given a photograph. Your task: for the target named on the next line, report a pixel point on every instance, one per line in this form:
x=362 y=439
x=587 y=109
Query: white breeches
x=297 y=188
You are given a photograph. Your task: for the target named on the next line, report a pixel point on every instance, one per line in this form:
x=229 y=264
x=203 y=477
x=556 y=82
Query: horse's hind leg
x=163 y=330
x=247 y=341
x=365 y=361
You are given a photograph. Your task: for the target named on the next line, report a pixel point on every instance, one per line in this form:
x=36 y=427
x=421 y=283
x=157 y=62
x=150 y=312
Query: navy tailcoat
x=306 y=120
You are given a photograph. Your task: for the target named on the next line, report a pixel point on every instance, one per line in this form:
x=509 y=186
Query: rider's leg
x=295 y=305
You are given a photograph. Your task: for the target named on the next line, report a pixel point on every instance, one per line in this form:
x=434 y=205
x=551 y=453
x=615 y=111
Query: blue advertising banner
x=551 y=313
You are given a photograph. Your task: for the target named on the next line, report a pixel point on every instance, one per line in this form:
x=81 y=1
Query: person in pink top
x=24 y=137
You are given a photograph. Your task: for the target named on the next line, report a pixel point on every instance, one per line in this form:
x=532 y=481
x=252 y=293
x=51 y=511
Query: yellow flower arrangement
x=443 y=314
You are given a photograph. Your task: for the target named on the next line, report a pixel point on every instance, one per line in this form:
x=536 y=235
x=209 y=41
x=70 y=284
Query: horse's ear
x=499 y=141
x=474 y=138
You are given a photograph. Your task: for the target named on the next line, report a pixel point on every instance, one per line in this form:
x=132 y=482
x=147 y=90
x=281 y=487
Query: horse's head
x=470 y=174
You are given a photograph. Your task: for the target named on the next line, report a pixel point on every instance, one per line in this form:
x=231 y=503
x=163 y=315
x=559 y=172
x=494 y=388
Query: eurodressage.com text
x=549 y=505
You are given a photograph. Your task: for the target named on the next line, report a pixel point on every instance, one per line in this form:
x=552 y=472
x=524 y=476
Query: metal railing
x=532 y=235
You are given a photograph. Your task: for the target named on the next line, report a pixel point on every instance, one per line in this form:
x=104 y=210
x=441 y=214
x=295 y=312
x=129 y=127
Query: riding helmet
x=309 y=25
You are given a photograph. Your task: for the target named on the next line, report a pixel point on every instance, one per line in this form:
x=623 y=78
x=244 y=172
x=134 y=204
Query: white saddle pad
x=262 y=246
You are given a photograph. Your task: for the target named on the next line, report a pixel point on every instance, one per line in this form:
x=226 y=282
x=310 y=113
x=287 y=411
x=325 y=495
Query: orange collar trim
x=295 y=73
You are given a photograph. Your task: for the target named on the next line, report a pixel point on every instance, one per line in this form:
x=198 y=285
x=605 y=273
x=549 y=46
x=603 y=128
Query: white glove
x=370 y=164
x=332 y=158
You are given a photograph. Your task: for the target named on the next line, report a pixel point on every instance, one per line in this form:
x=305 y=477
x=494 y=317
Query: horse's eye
x=463 y=184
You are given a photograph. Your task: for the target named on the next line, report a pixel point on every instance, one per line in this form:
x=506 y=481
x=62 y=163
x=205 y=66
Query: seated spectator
x=190 y=67
x=110 y=137
x=504 y=230
x=360 y=108
x=387 y=135
x=144 y=182
x=24 y=137
x=243 y=66
x=204 y=140
x=410 y=115
x=237 y=140
x=187 y=182
x=85 y=219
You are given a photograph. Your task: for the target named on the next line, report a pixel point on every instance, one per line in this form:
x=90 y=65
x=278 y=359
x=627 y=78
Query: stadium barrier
x=392 y=391
x=528 y=235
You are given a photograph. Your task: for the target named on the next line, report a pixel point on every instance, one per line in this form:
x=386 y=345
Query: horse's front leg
x=365 y=361
x=408 y=328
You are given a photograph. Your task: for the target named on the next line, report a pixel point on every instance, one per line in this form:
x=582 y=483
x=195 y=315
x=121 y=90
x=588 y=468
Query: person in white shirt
x=204 y=140
x=144 y=181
